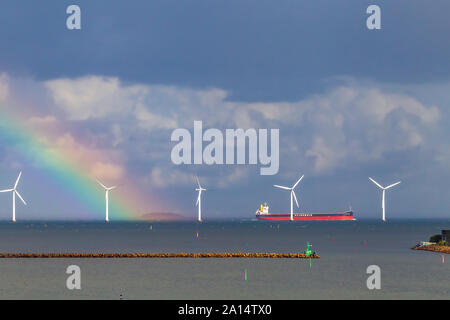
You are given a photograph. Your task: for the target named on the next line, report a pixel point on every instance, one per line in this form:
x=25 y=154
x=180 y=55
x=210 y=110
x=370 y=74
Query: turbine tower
x=293 y=196
x=383 y=202
x=199 y=200
x=107 y=190
x=14 y=193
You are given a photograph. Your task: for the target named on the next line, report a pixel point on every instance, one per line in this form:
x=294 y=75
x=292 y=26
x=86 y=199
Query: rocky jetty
x=163 y=255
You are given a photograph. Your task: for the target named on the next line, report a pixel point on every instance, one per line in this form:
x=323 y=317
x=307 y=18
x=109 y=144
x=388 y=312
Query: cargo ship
x=263 y=214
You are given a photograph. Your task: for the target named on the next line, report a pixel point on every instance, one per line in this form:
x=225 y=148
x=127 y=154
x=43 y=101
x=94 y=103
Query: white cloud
x=104 y=164
x=236 y=176
x=149 y=121
x=90 y=97
x=171 y=176
x=346 y=125
x=325 y=156
x=107 y=171
x=162 y=177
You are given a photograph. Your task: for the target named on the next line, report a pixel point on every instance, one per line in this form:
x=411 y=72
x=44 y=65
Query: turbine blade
x=281 y=187
x=20 y=197
x=295 y=198
x=198 y=182
x=18 y=179
x=112 y=188
x=9 y=190
x=379 y=185
x=393 y=185
x=104 y=187
x=298 y=181
x=198 y=198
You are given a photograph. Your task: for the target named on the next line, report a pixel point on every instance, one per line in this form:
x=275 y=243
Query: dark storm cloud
x=258 y=50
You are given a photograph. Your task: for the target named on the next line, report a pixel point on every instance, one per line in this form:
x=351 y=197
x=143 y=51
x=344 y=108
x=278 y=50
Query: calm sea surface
x=346 y=249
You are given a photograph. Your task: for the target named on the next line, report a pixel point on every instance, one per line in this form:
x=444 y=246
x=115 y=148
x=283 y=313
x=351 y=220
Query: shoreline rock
x=433 y=248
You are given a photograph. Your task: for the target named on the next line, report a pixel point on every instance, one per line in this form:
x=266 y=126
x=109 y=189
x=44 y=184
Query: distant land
x=164 y=216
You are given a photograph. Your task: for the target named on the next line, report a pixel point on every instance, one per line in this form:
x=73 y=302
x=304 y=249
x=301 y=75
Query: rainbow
x=128 y=204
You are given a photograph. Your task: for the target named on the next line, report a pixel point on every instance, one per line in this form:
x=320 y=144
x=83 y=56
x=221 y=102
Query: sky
x=103 y=101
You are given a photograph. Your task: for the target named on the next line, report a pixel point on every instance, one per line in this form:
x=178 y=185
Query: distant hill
x=164 y=216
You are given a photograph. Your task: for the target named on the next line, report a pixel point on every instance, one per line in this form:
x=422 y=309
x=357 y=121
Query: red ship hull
x=335 y=216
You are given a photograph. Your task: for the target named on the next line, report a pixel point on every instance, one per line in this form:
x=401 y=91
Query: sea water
x=346 y=248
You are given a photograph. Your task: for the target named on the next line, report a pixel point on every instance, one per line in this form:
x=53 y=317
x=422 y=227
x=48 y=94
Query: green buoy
x=308 y=252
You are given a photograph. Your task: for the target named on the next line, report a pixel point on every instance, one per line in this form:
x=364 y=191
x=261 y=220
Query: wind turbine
x=14 y=193
x=383 y=203
x=293 y=196
x=199 y=200
x=107 y=190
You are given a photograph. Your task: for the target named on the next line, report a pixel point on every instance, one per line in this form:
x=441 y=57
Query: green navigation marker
x=308 y=252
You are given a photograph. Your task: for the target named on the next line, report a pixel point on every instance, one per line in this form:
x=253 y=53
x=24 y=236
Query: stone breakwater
x=162 y=255
x=434 y=248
